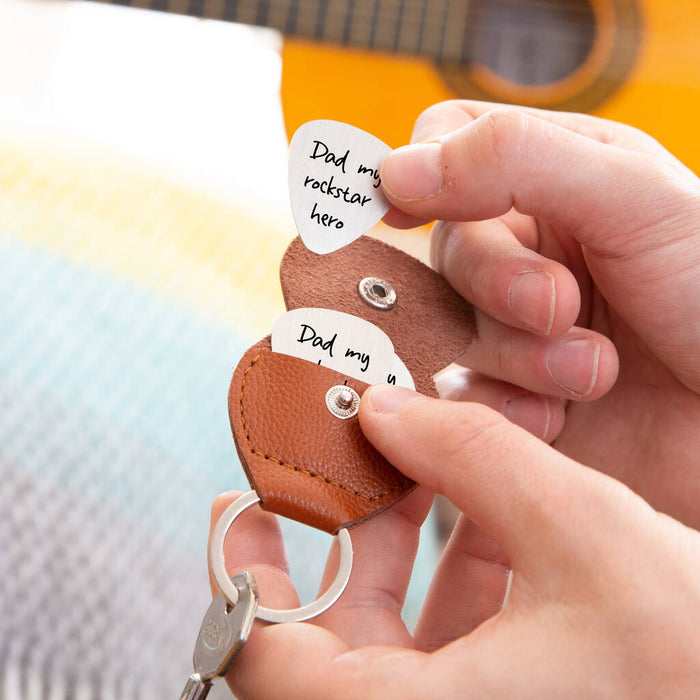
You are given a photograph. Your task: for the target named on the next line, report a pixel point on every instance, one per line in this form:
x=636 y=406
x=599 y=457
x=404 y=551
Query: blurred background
x=143 y=215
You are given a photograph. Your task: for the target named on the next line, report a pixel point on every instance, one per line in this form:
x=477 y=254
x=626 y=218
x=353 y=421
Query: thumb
x=635 y=213
x=538 y=505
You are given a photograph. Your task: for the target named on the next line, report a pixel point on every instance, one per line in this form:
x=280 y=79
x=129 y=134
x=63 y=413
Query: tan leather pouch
x=430 y=324
x=304 y=462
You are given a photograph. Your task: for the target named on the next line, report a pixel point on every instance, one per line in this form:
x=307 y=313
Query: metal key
x=223 y=633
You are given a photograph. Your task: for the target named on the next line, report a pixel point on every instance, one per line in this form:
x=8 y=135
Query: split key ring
x=217 y=565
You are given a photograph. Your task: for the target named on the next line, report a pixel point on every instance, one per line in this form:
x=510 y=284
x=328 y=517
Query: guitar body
x=381 y=93
x=652 y=45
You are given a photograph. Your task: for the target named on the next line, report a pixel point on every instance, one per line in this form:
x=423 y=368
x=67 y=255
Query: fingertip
x=608 y=368
x=557 y=419
x=396 y=218
x=539 y=414
x=486 y=263
x=584 y=365
x=453 y=383
x=387 y=399
x=221 y=503
x=379 y=407
x=532 y=300
x=413 y=173
x=567 y=301
x=542 y=416
x=445 y=246
x=254 y=538
x=544 y=300
x=415 y=438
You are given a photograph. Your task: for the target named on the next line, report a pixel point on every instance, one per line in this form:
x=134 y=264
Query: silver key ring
x=217 y=564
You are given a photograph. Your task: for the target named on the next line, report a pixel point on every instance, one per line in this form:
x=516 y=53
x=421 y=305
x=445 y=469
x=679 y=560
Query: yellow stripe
x=99 y=209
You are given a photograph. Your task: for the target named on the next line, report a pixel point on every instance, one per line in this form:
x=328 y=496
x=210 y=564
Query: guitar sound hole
x=532 y=42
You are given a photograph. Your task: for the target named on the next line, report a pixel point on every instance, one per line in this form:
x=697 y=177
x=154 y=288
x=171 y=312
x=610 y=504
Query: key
x=223 y=633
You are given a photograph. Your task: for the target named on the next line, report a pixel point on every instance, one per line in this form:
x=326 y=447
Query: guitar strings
x=361 y=14
x=370 y=9
x=549 y=4
x=431 y=32
x=420 y=6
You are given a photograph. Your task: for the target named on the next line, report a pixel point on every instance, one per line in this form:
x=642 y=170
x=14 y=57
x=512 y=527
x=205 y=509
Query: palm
x=642 y=431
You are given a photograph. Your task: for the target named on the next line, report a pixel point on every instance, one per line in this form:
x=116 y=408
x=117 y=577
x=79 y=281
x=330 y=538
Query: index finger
x=508 y=159
x=443 y=117
x=451 y=115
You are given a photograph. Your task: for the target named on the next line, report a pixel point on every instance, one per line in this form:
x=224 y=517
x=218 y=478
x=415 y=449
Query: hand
x=568 y=219
x=605 y=599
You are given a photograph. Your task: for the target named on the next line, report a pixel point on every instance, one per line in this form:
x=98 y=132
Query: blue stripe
x=107 y=349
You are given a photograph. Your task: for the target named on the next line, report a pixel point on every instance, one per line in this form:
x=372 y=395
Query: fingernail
x=531 y=412
x=531 y=299
x=452 y=383
x=573 y=364
x=414 y=172
x=389 y=399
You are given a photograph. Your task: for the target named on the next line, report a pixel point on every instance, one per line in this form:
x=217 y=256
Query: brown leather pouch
x=304 y=462
x=430 y=324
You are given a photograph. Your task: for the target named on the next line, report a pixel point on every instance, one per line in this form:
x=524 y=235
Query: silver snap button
x=342 y=401
x=377 y=292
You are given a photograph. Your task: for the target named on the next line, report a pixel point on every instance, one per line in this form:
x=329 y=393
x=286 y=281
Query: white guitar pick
x=342 y=342
x=399 y=375
x=334 y=183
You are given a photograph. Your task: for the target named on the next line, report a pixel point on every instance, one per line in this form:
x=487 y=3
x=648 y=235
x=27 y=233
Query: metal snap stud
x=377 y=292
x=342 y=401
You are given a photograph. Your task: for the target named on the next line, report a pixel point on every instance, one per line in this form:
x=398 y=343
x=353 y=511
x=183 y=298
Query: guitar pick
x=340 y=341
x=334 y=183
x=399 y=375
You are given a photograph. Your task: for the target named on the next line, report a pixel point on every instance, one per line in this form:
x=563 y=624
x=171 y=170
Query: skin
x=605 y=595
x=611 y=217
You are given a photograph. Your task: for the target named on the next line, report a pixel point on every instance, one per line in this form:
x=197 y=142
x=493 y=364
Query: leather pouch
x=304 y=462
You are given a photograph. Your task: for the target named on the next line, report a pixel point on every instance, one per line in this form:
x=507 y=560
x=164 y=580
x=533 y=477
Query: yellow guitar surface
x=384 y=93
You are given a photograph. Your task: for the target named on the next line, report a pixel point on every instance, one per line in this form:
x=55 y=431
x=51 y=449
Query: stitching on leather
x=301 y=470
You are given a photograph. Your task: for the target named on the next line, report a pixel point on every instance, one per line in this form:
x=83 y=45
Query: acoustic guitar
x=378 y=63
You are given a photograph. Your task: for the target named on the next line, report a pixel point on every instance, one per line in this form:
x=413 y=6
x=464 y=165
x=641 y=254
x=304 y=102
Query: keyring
x=217 y=564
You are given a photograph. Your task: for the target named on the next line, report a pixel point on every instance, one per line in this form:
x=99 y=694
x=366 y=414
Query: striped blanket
x=127 y=295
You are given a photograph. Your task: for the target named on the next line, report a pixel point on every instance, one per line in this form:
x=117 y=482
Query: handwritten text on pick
x=334 y=183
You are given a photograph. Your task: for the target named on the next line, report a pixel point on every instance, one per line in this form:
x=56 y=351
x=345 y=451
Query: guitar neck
x=436 y=29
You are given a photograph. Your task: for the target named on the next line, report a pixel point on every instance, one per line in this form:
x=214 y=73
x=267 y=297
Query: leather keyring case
x=304 y=462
